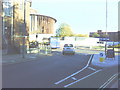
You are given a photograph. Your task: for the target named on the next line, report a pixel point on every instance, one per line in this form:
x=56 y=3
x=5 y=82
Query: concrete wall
x=81 y=42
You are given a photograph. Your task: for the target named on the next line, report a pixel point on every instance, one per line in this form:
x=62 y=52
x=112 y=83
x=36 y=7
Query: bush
x=115 y=46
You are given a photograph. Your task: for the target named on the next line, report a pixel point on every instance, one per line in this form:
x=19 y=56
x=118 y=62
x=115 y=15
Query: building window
x=43 y=29
x=33 y=23
x=7 y=8
x=21 y=6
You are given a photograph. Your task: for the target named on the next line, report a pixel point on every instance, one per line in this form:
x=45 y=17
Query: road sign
x=101 y=56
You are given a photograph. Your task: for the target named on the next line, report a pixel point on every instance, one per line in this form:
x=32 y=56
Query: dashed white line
x=92 y=68
x=108 y=81
x=75 y=72
x=32 y=57
x=70 y=76
x=82 y=78
x=74 y=78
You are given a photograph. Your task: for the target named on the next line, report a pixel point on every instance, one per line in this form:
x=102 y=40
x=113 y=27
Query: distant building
x=113 y=36
x=42 y=25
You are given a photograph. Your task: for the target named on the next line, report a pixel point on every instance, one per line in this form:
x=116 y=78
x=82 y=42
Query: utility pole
x=106 y=17
x=24 y=31
x=106 y=30
x=12 y=23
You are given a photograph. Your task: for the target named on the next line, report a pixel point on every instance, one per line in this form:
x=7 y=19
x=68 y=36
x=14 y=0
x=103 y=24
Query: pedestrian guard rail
x=41 y=48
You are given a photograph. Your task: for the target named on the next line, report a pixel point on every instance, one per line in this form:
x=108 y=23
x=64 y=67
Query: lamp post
x=106 y=30
x=24 y=31
x=4 y=28
x=106 y=17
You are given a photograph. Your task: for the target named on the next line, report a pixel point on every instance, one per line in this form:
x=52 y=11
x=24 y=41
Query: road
x=45 y=72
x=42 y=72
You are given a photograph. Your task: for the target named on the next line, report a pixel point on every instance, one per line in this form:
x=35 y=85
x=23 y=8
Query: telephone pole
x=24 y=30
x=106 y=30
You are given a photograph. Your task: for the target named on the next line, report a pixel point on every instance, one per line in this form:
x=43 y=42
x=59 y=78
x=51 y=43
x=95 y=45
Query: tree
x=95 y=35
x=64 y=30
x=104 y=35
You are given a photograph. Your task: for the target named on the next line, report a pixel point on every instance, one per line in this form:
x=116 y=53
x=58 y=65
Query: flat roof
x=44 y=16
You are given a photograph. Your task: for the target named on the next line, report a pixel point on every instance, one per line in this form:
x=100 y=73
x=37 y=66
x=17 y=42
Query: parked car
x=68 y=49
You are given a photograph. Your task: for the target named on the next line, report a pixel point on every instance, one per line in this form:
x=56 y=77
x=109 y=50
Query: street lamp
x=24 y=31
x=106 y=30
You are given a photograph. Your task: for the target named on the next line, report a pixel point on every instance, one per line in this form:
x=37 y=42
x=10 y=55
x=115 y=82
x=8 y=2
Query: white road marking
x=74 y=78
x=32 y=57
x=108 y=81
x=75 y=72
x=89 y=60
x=82 y=78
x=92 y=68
x=70 y=76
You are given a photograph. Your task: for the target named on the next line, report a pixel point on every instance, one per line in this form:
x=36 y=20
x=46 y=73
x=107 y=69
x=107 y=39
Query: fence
x=41 y=48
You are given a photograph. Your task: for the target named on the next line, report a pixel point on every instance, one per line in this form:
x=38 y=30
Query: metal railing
x=41 y=48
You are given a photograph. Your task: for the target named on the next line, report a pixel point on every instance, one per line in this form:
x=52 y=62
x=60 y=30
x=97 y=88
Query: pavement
x=107 y=62
x=18 y=58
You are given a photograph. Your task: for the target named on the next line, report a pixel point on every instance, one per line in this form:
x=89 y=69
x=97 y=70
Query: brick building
x=21 y=22
x=18 y=21
x=113 y=36
x=15 y=22
x=42 y=26
x=6 y=22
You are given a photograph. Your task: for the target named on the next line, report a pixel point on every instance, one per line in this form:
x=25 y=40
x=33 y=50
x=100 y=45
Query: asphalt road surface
x=45 y=72
x=42 y=73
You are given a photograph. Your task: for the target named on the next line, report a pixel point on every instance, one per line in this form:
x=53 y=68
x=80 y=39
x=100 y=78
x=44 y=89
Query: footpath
x=107 y=62
x=18 y=58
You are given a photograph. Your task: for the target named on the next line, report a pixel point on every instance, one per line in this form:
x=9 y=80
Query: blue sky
x=83 y=16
